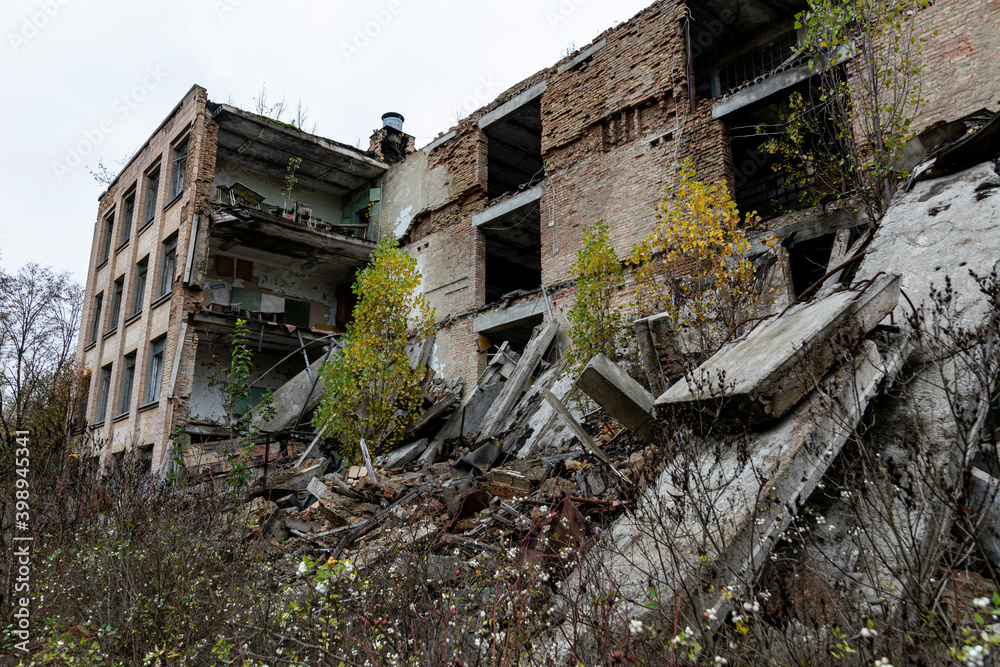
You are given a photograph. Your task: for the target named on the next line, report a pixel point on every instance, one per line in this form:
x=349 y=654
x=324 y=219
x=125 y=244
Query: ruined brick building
x=196 y=230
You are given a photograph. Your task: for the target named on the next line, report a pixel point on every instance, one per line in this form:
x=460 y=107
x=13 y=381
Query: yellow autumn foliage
x=700 y=232
x=370 y=391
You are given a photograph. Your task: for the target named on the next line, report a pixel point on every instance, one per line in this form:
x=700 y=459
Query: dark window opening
x=144 y=459
x=95 y=324
x=109 y=232
x=515 y=150
x=759 y=63
x=766 y=183
x=167 y=265
x=103 y=390
x=809 y=261
x=152 y=187
x=517 y=334
x=154 y=376
x=139 y=288
x=128 y=214
x=125 y=389
x=178 y=169
x=731 y=46
x=513 y=252
x=297 y=313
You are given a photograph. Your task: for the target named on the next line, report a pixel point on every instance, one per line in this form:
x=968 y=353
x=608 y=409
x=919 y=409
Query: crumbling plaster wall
x=317 y=291
x=412 y=187
x=208 y=393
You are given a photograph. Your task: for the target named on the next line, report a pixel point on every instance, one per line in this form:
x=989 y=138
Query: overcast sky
x=89 y=80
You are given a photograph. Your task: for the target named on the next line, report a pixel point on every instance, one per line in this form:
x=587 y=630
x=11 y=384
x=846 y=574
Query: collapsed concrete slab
x=730 y=502
x=940 y=231
x=402 y=456
x=295 y=398
x=625 y=399
x=769 y=371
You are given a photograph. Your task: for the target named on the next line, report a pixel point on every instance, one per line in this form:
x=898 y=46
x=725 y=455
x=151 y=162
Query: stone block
x=624 y=398
x=773 y=368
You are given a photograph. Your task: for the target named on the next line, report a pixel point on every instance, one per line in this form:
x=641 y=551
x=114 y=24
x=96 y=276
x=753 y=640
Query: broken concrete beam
x=624 y=398
x=769 y=371
x=468 y=417
x=303 y=526
x=419 y=351
x=427 y=458
x=753 y=494
x=582 y=435
x=318 y=488
x=515 y=386
x=299 y=478
x=663 y=348
x=336 y=508
x=646 y=342
x=402 y=456
x=294 y=398
x=435 y=411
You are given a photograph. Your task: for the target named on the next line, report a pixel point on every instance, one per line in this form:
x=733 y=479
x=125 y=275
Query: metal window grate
x=759 y=63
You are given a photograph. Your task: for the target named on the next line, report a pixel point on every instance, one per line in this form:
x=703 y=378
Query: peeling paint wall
x=410 y=188
x=279 y=282
x=207 y=403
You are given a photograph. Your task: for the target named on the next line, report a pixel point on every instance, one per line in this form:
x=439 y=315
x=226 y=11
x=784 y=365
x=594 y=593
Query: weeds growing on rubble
x=879 y=565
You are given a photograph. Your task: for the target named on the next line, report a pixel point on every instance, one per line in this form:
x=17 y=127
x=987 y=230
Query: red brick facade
x=615 y=127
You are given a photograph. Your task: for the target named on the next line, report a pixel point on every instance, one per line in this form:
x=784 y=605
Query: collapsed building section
x=224 y=213
x=494 y=208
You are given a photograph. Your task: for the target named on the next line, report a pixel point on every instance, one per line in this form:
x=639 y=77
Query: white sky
x=78 y=73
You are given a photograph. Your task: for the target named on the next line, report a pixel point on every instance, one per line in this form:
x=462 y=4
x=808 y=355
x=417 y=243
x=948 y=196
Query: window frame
x=95 y=323
x=108 y=232
x=168 y=266
x=115 y=310
x=178 y=167
x=126 y=383
x=128 y=216
x=152 y=188
x=154 y=369
x=103 y=394
x=139 y=286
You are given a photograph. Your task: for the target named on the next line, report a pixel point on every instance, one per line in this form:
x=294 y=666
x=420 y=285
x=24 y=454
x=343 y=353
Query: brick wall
x=615 y=128
x=150 y=425
x=962 y=61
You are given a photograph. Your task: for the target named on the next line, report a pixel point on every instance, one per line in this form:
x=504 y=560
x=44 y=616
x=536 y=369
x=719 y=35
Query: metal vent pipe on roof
x=393 y=120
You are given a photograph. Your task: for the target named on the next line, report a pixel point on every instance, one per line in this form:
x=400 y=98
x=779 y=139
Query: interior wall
x=325 y=208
